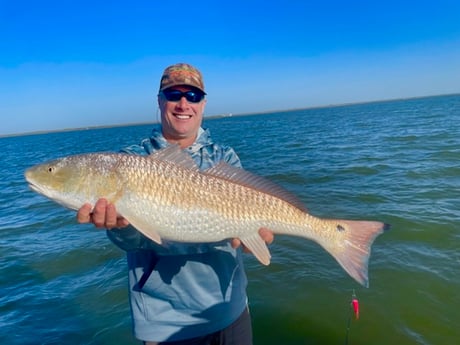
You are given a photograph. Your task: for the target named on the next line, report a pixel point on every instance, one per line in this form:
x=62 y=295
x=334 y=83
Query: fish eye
x=50 y=169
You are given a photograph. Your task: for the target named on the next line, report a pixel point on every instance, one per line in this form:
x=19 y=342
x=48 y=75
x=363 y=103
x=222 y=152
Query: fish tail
x=353 y=246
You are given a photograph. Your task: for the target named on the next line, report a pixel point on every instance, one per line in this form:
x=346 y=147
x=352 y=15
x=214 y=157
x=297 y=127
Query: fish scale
x=166 y=197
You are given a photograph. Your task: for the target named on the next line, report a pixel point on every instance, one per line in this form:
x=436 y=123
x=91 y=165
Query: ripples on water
x=392 y=161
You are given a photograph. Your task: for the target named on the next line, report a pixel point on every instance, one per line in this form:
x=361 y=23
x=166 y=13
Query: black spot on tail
x=386 y=227
x=340 y=228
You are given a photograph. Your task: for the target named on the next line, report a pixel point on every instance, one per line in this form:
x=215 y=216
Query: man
x=182 y=293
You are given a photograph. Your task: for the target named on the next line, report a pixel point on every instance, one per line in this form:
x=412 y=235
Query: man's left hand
x=266 y=234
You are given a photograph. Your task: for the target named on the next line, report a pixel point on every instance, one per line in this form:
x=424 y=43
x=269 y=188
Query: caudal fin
x=353 y=246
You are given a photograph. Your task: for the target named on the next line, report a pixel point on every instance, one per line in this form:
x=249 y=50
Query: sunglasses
x=176 y=95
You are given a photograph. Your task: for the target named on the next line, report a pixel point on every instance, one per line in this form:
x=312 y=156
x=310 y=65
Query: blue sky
x=66 y=64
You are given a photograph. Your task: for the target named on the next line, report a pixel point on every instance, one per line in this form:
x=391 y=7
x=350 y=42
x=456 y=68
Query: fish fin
x=175 y=155
x=143 y=227
x=243 y=177
x=258 y=247
x=355 y=248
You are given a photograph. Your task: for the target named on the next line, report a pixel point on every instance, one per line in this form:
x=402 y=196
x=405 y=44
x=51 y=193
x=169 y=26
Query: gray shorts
x=238 y=333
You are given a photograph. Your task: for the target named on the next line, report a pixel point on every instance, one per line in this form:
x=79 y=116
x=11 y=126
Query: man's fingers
x=122 y=222
x=99 y=213
x=267 y=235
x=236 y=243
x=104 y=215
x=84 y=214
x=110 y=216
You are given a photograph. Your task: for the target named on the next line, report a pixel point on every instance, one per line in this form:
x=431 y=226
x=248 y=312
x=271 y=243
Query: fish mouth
x=49 y=194
x=36 y=188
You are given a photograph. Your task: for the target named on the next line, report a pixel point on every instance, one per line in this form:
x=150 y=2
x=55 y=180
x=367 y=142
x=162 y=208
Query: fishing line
x=354 y=311
x=157 y=116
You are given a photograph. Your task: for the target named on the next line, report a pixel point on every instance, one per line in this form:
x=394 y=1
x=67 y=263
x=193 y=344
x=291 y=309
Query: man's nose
x=183 y=103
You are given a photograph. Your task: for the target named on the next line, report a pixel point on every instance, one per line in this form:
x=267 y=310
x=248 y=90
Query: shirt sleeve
x=231 y=157
x=127 y=239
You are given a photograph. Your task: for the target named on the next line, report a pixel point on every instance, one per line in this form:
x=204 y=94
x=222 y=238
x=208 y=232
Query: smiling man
x=181 y=100
x=182 y=293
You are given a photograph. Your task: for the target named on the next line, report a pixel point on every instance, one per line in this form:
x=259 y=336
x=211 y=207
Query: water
x=398 y=162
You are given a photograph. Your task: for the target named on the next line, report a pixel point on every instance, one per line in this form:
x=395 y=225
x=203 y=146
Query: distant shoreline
x=337 y=105
x=219 y=116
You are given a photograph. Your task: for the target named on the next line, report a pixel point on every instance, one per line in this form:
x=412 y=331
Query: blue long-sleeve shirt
x=182 y=290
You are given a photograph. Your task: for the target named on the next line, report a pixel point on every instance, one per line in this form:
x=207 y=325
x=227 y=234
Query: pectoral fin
x=258 y=247
x=142 y=226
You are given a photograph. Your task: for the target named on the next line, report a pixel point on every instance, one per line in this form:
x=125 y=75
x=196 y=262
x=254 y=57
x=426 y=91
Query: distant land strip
x=218 y=116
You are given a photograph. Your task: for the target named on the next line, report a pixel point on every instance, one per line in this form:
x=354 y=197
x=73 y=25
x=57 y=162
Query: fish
x=165 y=196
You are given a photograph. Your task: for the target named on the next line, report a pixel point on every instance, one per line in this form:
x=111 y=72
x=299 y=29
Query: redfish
x=166 y=196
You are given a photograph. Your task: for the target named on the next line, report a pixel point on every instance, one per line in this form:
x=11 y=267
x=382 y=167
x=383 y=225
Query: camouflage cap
x=181 y=74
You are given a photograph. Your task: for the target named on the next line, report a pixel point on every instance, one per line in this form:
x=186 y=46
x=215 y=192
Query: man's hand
x=104 y=215
x=265 y=233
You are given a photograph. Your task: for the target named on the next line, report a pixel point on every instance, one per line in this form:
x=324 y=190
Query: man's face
x=181 y=119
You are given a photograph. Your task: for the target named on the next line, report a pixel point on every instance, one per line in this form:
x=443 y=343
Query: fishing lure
x=355 y=305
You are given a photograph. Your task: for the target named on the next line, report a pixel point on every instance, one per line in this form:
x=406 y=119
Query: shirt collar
x=203 y=139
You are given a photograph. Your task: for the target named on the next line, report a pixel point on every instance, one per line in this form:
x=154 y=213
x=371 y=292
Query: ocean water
x=397 y=162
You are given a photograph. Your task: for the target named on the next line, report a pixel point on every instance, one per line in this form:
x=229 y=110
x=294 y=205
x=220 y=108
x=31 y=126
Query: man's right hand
x=104 y=215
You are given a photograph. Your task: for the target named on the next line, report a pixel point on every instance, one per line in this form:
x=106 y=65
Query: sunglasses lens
x=193 y=96
x=172 y=96
x=176 y=95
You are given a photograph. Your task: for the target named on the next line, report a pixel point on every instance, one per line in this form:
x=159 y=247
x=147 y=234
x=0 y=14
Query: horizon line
x=218 y=116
